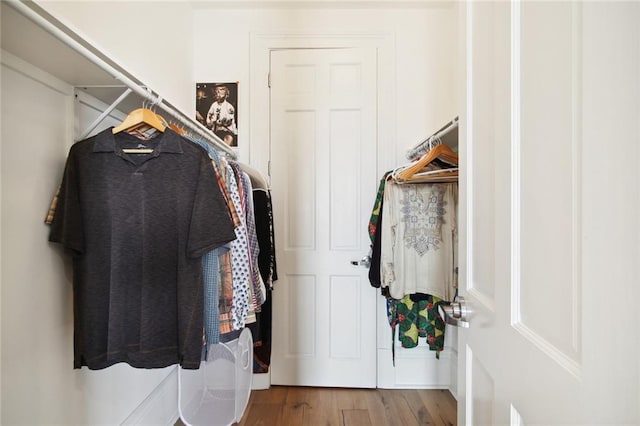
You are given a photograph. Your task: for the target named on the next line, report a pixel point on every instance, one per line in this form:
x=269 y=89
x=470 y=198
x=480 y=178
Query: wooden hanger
x=172 y=126
x=177 y=129
x=139 y=118
x=434 y=176
x=442 y=152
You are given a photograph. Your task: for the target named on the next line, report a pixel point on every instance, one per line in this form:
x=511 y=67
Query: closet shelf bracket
x=68 y=37
x=104 y=114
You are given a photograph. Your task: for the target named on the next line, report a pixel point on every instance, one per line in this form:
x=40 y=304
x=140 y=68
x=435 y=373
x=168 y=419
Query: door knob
x=365 y=261
x=455 y=313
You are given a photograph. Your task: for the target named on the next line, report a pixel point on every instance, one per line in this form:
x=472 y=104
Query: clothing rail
x=443 y=136
x=62 y=33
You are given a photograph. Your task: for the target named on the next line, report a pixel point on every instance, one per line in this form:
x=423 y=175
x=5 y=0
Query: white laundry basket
x=218 y=392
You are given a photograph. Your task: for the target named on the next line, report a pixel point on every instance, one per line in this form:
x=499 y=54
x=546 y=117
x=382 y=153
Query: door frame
x=261 y=46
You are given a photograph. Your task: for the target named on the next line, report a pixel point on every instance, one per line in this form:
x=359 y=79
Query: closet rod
x=423 y=147
x=157 y=101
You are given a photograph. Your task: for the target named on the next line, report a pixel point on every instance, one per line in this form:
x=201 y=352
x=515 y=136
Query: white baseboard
x=261 y=381
x=160 y=407
x=416 y=368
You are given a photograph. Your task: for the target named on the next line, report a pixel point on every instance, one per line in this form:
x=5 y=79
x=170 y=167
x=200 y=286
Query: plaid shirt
x=233 y=213
x=225 y=300
x=216 y=309
x=52 y=208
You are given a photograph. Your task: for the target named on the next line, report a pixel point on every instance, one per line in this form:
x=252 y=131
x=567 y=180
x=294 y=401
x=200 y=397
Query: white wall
x=425 y=45
x=151 y=39
x=39 y=384
x=422 y=87
x=155 y=42
x=171 y=45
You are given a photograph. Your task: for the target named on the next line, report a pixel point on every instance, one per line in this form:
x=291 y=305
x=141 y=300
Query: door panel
x=550 y=148
x=323 y=175
x=547 y=186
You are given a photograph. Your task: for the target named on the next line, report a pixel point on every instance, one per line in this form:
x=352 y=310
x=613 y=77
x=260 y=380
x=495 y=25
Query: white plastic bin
x=218 y=392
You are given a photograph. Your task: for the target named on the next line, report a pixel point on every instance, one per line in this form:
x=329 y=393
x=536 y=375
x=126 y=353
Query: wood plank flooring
x=304 y=406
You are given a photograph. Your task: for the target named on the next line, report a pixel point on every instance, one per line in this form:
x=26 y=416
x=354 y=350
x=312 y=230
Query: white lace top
x=419 y=239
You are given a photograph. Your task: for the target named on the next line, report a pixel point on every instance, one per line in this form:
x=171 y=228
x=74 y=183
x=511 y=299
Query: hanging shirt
x=377 y=208
x=220 y=176
x=419 y=239
x=267 y=266
x=211 y=261
x=259 y=290
x=266 y=238
x=225 y=289
x=239 y=258
x=136 y=226
x=375 y=234
x=244 y=188
x=417 y=316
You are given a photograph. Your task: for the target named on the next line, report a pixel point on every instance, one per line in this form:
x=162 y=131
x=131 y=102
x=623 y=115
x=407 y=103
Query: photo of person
x=216 y=108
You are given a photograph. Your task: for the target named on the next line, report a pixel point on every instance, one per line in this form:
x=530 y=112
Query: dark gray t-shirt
x=137 y=226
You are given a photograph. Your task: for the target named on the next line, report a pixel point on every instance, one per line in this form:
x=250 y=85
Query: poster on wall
x=217 y=109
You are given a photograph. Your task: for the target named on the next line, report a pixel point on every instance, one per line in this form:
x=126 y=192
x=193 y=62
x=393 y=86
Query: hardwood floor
x=303 y=406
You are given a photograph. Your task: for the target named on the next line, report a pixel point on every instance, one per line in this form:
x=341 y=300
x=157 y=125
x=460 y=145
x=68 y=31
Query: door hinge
x=269 y=80
x=269 y=168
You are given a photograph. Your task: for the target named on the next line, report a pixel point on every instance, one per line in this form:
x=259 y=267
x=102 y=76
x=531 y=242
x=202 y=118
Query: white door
x=323 y=178
x=549 y=214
